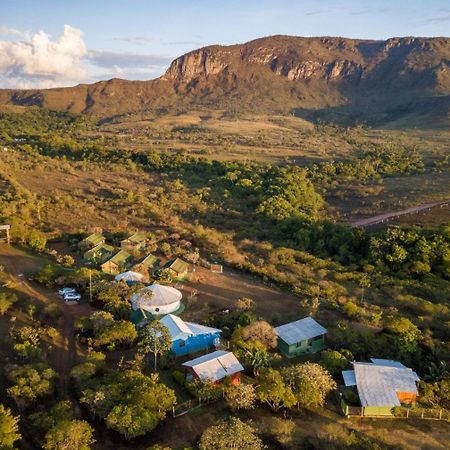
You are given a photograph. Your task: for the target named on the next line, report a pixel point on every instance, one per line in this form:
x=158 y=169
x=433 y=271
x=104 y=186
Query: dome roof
x=129 y=276
x=156 y=295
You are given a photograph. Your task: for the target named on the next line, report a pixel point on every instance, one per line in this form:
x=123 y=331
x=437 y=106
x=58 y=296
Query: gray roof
x=300 y=330
x=179 y=329
x=378 y=385
x=349 y=377
x=215 y=366
x=387 y=362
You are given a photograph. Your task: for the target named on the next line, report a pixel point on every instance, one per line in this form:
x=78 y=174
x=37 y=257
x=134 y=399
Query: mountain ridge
x=331 y=78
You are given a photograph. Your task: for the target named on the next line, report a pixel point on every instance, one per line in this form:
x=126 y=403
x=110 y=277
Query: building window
x=157 y=309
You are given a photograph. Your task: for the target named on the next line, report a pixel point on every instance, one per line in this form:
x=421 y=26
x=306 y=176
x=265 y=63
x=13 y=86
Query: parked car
x=72 y=296
x=66 y=290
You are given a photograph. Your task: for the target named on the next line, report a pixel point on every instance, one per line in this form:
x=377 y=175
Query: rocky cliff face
x=369 y=80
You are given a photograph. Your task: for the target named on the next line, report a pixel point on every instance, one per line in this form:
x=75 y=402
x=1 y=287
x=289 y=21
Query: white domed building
x=157 y=299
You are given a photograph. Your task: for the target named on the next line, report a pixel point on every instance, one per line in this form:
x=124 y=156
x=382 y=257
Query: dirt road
x=19 y=265
x=374 y=220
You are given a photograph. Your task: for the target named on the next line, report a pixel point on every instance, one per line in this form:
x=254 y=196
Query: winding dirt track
x=374 y=220
x=64 y=353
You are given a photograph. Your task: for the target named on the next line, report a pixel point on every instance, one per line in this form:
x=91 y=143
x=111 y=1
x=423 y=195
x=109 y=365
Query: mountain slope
x=403 y=80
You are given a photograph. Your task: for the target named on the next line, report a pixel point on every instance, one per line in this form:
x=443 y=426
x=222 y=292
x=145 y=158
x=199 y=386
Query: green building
x=300 y=337
x=178 y=268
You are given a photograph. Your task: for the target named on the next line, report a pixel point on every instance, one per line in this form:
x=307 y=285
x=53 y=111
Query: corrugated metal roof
x=179 y=329
x=349 y=377
x=137 y=237
x=378 y=384
x=215 y=365
x=148 y=261
x=120 y=258
x=178 y=265
x=300 y=330
x=95 y=238
x=388 y=362
x=176 y=326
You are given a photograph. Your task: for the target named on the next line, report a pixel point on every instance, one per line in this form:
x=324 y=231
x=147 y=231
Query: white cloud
x=37 y=61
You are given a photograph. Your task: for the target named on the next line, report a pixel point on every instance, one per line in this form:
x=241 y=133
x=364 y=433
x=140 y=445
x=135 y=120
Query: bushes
x=7 y=299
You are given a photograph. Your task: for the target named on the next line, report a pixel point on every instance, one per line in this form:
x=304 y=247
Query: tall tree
x=9 y=428
x=69 y=435
x=155 y=338
x=230 y=435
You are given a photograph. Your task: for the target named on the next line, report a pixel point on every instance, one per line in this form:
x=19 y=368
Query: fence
x=190 y=405
x=400 y=412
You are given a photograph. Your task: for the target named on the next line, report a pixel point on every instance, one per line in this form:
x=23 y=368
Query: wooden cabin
x=120 y=262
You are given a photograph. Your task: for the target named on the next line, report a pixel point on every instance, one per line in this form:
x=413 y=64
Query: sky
x=48 y=43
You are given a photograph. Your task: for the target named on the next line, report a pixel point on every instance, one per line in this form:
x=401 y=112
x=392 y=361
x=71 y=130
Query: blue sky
x=137 y=39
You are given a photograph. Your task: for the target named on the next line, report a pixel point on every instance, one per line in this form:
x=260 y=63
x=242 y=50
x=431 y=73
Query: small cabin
x=382 y=385
x=100 y=253
x=178 y=268
x=120 y=262
x=147 y=266
x=302 y=336
x=91 y=241
x=136 y=242
x=214 y=367
x=189 y=337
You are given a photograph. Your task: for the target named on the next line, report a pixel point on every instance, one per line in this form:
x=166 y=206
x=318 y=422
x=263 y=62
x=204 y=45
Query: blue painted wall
x=194 y=344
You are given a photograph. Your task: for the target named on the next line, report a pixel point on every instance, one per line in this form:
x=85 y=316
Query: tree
x=230 y=435
x=130 y=402
x=69 y=435
x=155 y=338
x=245 y=304
x=37 y=240
x=271 y=389
x=242 y=396
x=30 y=383
x=9 y=429
x=262 y=332
x=335 y=361
x=310 y=384
x=6 y=301
x=407 y=335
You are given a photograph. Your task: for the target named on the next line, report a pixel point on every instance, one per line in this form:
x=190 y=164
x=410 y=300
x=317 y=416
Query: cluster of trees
x=101 y=329
x=129 y=401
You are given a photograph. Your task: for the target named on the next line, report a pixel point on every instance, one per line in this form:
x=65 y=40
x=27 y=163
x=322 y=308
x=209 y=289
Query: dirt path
x=393 y=215
x=18 y=264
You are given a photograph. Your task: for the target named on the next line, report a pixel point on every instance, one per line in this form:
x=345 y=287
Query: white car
x=66 y=290
x=72 y=296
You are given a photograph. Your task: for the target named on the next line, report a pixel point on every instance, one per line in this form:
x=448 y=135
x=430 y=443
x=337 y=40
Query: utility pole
x=90 y=286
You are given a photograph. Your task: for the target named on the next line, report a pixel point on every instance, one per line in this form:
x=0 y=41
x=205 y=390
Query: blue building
x=188 y=337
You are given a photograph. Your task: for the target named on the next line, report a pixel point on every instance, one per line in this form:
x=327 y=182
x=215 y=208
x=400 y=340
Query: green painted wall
x=377 y=410
x=307 y=346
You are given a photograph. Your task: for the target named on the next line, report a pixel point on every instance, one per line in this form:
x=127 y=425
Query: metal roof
x=129 y=276
x=179 y=329
x=300 y=330
x=177 y=265
x=215 y=365
x=121 y=257
x=95 y=238
x=388 y=362
x=137 y=237
x=155 y=295
x=378 y=385
x=349 y=377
